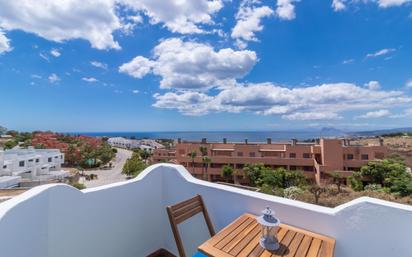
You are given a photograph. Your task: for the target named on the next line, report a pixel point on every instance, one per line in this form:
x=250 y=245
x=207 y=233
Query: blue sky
x=155 y=65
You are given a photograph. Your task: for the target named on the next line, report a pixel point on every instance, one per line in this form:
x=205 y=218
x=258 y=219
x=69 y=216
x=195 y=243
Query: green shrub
x=292 y=192
x=79 y=186
x=355 y=181
x=373 y=188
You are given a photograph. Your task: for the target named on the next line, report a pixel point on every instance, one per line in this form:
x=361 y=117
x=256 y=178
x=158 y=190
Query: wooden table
x=241 y=238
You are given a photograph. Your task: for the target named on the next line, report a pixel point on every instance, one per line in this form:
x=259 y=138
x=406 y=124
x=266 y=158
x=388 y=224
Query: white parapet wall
x=129 y=219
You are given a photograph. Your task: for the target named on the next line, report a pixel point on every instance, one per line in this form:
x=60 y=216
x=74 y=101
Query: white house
x=144 y=144
x=30 y=164
x=123 y=142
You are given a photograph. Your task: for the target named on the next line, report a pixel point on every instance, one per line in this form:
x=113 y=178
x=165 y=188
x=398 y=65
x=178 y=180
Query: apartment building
x=143 y=144
x=164 y=155
x=317 y=160
x=30 y=164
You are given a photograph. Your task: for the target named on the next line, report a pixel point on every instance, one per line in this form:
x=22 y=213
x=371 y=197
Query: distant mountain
x=380 y=132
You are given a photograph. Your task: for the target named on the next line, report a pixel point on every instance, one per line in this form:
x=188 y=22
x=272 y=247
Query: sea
x=215 y=136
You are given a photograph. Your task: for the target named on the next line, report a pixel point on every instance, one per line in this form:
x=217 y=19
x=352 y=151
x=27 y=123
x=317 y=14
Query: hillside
x=400 y=145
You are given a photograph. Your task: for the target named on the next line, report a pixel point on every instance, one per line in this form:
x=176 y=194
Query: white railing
x=128 y=219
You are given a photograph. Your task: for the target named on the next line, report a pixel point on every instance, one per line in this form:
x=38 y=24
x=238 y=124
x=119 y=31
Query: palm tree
x=193 y=155
x=203 y=150
x=206 y=160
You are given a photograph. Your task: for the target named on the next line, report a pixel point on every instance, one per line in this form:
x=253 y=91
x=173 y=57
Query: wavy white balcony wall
x=128 y=219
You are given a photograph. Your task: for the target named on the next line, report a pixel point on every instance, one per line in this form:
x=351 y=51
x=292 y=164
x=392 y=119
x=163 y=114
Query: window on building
x=292 y=155
x=239 y=154
x=5 y=167
x=252 y=154
x=292 y=168
x=31 y=160
x=49 y=160
x=37 y=160
x=349 y=156
x=21 y=164
x=307 y=168
x=306 y=155
x=365 y=157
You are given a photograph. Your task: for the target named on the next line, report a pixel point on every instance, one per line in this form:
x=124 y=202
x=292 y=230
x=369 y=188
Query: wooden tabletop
x=241 y=238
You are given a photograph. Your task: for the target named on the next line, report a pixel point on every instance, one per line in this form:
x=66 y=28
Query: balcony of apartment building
x=129 y=219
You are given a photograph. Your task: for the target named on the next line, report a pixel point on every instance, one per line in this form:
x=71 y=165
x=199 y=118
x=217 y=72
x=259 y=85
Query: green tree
x=133 y=166
x=254 y=173
x=206 y=161
x=227 y=172
x=377 y=172
x=105 y=153
x=203 y=150
x=282 y=178
x=10 y=144
x=402 y=186
x=145 y=155
x=355 y=181
x=88 y=155
x=192 y=156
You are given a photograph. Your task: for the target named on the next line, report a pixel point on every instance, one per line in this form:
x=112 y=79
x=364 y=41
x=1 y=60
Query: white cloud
x=192 y=65
x=348 y=61
x=178 y=16
x=44 y=57
x=338 y=5
x=99 y=65
x=138 y=67
x=55 y=52
x=381 y=52
x=58 y=21
x=53 y=78
x=285 y=9
x=35 y=76
x=409 y=83
x=373 y=85
x=130 y=22
x=391 y=3
x=4 y=43
x=188 y=102
x=312 y=116
x=408 y=112
x=248 y=20
x=324 y=101
x=135 y=91
x=375 y=114
x=89 y=79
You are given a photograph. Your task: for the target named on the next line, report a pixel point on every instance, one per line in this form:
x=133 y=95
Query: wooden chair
x=183 y=211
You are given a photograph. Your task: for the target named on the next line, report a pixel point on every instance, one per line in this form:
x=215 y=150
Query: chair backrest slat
x=190 y=207
x=183 y=211
x=188 y=214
